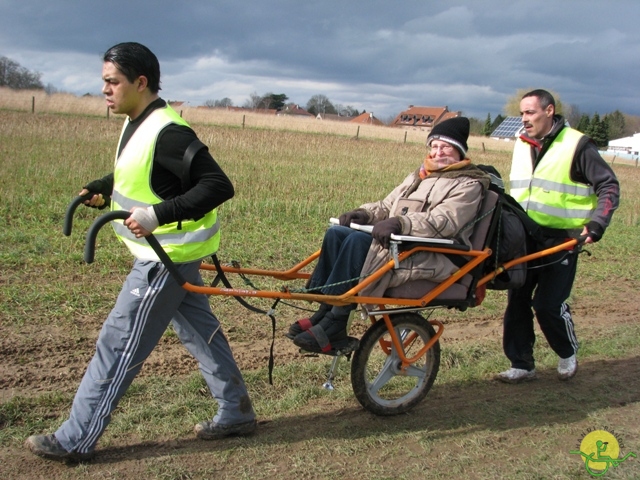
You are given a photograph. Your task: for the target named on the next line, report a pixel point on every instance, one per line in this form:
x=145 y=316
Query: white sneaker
x=567 y=367
x=516 y=375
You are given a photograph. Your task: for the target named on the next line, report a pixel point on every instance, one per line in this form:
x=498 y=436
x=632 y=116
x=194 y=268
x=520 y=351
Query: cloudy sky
x=375 y=55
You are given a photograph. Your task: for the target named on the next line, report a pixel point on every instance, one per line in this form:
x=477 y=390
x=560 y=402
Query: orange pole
x=568 y=245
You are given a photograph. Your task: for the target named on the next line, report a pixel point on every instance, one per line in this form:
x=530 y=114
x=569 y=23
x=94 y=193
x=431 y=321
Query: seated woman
x=439 y=200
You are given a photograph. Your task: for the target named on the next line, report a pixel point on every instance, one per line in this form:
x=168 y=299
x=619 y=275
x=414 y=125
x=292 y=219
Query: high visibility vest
x=132 y=187
x=548 y=194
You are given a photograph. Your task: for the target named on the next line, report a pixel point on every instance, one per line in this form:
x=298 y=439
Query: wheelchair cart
x=397 y=359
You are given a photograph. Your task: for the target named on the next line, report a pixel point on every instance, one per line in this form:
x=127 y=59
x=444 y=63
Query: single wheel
x=378 y=382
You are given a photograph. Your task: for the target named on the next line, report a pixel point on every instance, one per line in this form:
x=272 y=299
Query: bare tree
x=572 y=114
x=14 y=76
x=347 y=111
x=253 y=101
x=320 y=104
x=632 y=124
x=225 y=102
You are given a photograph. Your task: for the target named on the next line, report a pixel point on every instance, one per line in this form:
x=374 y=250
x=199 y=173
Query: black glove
x=595 y=231
x=383 y=230
x=359 y=216
x=98 y=187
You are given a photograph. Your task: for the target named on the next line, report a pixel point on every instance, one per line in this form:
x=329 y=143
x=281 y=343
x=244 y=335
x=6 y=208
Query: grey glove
x=359 y=216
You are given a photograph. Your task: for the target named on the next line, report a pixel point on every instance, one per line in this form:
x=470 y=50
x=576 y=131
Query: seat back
x=479 y=239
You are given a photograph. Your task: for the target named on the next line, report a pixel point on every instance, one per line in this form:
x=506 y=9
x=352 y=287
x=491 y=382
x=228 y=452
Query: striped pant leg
x=132 y=330
x=200 y=332
x=550 y=304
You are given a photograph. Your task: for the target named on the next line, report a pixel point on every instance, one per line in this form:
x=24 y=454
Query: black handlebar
x=90 y=243
x=98 y=223
x=68 y=217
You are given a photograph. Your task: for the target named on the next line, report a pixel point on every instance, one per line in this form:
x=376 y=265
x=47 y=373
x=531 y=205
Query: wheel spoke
x=416 y=371
x=386 y=373
x=412 y=370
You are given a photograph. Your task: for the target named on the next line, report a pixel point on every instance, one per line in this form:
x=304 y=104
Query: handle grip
x=71 y=209
x=90 y=243
x=98 y=223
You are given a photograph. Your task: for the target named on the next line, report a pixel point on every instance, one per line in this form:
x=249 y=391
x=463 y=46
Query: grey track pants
x=148 y=301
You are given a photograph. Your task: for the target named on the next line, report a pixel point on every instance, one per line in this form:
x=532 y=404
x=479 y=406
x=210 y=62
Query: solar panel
x=510 y=127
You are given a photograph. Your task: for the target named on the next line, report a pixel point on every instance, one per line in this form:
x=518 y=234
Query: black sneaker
x=48 y=446
x=215 y=431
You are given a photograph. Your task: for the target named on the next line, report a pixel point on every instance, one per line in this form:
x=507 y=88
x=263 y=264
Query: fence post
x=243 y=117
x=107 y=113
x=358 y=132
x=33 y=104
x=483 y=150
x=405 y=136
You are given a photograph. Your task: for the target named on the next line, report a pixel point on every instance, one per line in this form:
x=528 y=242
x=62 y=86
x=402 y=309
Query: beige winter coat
x=443 y=205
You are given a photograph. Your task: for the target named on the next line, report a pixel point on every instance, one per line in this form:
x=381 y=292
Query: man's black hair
x=545 y=97
x=134 y=59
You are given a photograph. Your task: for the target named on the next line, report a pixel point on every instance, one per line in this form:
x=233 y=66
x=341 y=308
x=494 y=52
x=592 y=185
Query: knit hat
x=454 y=131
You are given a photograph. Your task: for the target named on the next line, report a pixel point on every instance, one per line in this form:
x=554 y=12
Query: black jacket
x=210 y=185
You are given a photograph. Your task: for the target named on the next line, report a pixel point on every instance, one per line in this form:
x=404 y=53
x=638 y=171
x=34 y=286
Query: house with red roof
x=366 y=119
x=423 y=118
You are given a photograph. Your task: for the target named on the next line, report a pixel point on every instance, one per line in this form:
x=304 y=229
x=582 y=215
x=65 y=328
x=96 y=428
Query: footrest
x=344 y=347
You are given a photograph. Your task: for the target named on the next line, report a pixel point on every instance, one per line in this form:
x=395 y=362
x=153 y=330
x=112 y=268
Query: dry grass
x=40 y=102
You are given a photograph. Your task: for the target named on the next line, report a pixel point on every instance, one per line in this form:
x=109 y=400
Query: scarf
x=429 y=166
x=462 y=168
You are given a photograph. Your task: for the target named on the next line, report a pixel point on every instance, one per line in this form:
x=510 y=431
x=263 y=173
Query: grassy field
x=289 y=180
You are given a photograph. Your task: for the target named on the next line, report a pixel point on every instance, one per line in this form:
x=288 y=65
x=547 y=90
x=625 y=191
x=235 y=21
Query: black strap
x=222 y=277
x=189 y=154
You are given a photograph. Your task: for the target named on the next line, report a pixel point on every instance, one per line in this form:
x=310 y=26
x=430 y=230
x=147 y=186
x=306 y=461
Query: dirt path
x=56 y=363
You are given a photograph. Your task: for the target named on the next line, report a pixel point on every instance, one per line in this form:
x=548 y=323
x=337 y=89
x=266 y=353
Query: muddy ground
x=57 y=362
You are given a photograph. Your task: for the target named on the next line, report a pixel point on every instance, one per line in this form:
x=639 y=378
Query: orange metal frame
x=351 y=296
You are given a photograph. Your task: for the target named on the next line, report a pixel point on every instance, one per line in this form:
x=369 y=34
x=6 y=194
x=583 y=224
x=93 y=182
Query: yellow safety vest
x=548 y=194
x=132 y=187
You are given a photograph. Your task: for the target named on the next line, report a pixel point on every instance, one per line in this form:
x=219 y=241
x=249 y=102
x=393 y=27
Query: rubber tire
x=370 y=359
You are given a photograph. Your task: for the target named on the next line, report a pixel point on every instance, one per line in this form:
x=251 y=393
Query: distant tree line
x=317 y=104
x=268 y=101
x=14 y=76
x=320 y=104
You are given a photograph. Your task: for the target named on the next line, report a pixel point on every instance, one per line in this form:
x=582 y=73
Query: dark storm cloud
x=375 y=55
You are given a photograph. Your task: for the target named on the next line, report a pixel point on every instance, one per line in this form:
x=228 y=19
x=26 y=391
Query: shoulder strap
x=189 y=154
